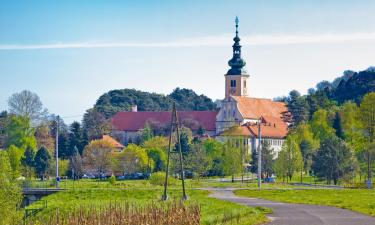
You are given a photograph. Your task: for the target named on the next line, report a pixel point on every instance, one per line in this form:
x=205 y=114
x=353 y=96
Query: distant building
x=239 y=115
x=237 y=120
x=127 y=126
x=115 y=144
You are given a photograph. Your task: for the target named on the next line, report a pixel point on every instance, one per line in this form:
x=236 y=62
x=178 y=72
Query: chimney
x=134 y=108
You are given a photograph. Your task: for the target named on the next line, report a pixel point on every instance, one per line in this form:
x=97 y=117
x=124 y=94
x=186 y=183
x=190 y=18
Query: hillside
x=122 y=100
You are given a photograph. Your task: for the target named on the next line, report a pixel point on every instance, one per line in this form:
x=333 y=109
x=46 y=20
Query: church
x=239 y=119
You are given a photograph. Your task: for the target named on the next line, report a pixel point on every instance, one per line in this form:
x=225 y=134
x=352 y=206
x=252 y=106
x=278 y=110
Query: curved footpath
x=297 y=214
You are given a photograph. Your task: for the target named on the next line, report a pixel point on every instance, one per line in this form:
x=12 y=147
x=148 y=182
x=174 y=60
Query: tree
x=352 y=126
x=333 y=160
x=27 y=104
x=320 y=126
x=198 y=161
x=75 y=165
x=134 y=159
x=214 y=150
x=337 y=125
x=19 y=133
x=146 y=133
x=10 y=193
x=231 y=160
x=281 y=165
x=267 y=160
x=44 y=138
x=298 y=106
x=42 y=160
x=4 y=120
x=291 y=153
x=367 y=117
x=15 y=155
x=95 y=125
x=159 y=158
x=307 y=144
x=97 y=157
x=76 y=139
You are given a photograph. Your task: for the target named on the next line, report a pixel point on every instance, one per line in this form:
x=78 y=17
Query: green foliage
x=320 y=125
x=42 y=159
x=134 y=159
x=19 y=133
x=95 y=125
x=158 y=179
x=112 y=180
x=267 y=160
x=10 y=193
x=122 y=100
x=298 y=107
x=290 y=158
x=198 y=161
x=231 y=160
x=159 y=158
x=76 y=139
x=333 y=160
x=15 y=155
x=146 y=133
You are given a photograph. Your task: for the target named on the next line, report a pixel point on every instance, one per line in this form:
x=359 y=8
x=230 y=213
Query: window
x=233 y=83
x=244 y=83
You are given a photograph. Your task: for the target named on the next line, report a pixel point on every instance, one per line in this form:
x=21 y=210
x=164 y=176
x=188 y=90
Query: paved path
x=298 y=214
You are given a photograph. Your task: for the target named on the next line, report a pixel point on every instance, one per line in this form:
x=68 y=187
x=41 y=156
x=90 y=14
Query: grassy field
x=213 y=211
x=360 y=200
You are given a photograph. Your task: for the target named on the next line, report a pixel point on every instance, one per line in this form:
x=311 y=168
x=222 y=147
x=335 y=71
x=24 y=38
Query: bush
x=158 y=178
x=112 y=180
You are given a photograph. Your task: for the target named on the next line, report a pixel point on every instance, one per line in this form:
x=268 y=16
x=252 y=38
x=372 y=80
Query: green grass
x=212 y=210
x=360 y=200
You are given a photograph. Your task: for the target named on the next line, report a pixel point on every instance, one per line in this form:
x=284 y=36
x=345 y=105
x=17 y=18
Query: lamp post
x=259 y=155
x=57 y=152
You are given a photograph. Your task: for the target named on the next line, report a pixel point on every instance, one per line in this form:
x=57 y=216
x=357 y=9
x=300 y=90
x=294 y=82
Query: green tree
x=337 y=125
x=20 y=133
x=267 y=160
x=10 y=193
x=134 y=159
x=231 y=160
x=214 y=150
x=146 y=133
x=320 y=126
x=15 y=155
x=42 y=160
x=298 y=107
x=291 y=153
x=76 y=139
x=95 y=125
x=367 y=117
x=333 y=160
x=159 y=158
x=281 y=165
x=352 y=126
x=198 y=161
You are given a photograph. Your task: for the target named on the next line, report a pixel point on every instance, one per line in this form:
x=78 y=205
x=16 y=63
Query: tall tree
x=267 y=160
x=42 y=160
x=19 y=133
x=320 y=126
x=134 y=159
x=231 y=160
x=291 y=153
x=28 y=163
x=367 y=117
x=15 y=155
x=27 y=104
x=95 y=124
x=298 y=106
x=76 y=138
x=198 y=161
x=337 y=125
x=333 y=160
x=44 y=138
x=4 y=120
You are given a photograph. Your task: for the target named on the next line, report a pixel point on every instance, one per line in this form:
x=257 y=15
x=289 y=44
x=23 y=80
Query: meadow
x=359 y=200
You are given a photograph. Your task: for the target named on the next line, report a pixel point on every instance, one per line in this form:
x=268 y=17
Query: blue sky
x=70 y=52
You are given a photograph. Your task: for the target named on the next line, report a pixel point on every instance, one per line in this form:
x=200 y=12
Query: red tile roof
x=254 y=108
x=269 y=130
x=135 y=121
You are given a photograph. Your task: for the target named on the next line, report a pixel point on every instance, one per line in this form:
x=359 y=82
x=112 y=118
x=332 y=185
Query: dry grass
x=128 y=214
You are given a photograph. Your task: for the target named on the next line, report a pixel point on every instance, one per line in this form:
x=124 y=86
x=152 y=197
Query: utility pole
x=57 y=152
x=259 y=155
x=174 y=124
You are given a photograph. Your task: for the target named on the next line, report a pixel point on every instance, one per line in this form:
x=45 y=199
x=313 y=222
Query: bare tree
x=28 y=104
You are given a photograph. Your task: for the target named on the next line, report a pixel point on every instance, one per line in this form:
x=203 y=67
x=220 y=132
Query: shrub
x=112 y=180
x=158 y=178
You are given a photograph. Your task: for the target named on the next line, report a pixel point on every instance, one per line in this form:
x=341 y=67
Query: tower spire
x=236 y=63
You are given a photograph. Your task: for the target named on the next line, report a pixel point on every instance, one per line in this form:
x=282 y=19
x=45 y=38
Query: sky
x=71 y=52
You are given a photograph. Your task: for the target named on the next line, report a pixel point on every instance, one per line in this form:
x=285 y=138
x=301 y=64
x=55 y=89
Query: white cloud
x=220 y=40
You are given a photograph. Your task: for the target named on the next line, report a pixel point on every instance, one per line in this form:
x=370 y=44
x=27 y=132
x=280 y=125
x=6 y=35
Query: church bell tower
x=236 y=79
